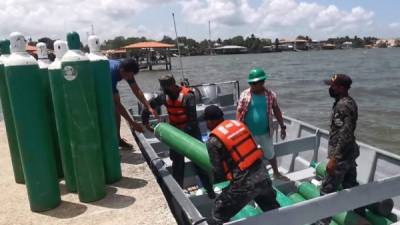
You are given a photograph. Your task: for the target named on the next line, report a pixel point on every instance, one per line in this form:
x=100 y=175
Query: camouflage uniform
x=253 y=183
x=342 y=146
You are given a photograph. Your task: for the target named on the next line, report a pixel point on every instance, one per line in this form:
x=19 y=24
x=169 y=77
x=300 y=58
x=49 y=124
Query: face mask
x=332 y=92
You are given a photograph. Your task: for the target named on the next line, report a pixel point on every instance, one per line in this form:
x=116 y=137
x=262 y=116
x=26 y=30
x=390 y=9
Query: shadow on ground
x=113 y=200
x=130 y=157
x=66 y=210
x=130 y=183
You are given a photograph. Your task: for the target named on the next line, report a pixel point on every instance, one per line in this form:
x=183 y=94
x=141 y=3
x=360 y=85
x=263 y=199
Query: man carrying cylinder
x=181 y=106
x=126 y=70
x=235 y=155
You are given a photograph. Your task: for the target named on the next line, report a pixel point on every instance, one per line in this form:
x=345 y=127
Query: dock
x=135 y=199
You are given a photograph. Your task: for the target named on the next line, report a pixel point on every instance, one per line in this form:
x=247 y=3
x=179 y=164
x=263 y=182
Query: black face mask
x=171 y=94
x=332 y=93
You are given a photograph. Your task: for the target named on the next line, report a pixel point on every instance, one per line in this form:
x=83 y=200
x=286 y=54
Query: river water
x=297 y=77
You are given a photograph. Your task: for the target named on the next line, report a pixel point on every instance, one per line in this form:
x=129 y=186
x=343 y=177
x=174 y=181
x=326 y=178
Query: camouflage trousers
x=234 y=197
x=344 y=176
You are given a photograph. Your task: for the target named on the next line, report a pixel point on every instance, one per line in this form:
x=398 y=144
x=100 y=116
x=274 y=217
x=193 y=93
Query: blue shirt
x=115 y=77
x=256 y=117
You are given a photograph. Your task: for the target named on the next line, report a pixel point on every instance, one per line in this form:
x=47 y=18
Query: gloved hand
x=330 y=167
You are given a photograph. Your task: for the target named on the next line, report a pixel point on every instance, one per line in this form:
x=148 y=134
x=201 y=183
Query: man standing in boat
x=256 y=108
x=342 y=147
x=235 y=156
x=180 y=102
x=126 y=70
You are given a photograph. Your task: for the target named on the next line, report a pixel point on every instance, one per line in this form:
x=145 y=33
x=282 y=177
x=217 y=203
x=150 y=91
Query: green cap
x=256 y=74
x=74 y=42
x=5 y=47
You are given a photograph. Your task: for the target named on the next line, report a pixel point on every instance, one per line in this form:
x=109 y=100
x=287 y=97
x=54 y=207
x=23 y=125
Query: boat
x=304 y=147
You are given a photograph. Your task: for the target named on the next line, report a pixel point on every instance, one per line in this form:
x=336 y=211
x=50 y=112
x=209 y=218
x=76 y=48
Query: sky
x=319 y=19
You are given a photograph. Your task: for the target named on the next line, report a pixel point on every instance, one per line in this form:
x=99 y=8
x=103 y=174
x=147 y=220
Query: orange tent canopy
x=148 y=44
x=30 y=48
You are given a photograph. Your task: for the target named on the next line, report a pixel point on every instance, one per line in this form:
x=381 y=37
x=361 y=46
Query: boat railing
x=305 y=143
x=306 y=212
x=303 y=137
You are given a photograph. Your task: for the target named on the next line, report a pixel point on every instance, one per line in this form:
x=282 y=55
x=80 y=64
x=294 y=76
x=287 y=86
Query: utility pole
x=177 y=44
x=209 y=37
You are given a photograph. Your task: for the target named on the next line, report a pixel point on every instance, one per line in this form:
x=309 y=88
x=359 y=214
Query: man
x=181 y=106
x=342 y=147
x=235 y=156
x=126 y=70
x=256 y=108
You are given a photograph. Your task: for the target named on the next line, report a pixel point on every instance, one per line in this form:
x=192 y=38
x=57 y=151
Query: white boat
x=378 y=170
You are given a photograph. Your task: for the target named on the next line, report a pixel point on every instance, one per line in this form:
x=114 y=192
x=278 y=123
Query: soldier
x=181 y=106
x=235 y=156
x=342 y=147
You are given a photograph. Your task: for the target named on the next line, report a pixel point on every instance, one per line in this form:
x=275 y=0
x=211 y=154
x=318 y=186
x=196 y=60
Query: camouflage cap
x=339 y=79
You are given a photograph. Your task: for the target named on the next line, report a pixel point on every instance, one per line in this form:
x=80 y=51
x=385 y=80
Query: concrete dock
x=135 y=199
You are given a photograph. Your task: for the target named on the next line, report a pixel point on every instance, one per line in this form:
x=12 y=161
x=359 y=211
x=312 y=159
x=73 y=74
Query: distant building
x=231 y=49
x=268 y=48
x=347 y=45
x=387 y=43
x=115 y=53
x=292 y=45
x=328 y=46
x=315 y=44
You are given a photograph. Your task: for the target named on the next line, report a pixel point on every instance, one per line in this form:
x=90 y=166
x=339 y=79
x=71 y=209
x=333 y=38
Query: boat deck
x=136 y=199
x=305 y=145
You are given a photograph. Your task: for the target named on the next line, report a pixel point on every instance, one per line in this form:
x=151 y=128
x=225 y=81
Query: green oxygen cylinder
x=8 y=117
x=310 y=191
x=56 y=79
x=320 y=170
x=247 y=211
x=282 y=199
x=43 y=63
x=83 y=124
x=108 y=130
x=377 y=219
x=28 y=104
x=382 y=208
x=184 y=144
x=196 y=151
x=296 y=197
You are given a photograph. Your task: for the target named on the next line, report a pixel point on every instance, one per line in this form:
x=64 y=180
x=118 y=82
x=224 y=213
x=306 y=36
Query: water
x=297 y=77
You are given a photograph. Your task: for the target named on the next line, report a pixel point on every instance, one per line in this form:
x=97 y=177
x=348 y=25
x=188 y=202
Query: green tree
x=238 y=40
x=168 y=40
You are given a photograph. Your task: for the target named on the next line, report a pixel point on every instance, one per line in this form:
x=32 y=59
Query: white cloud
x=54 y=18
x=278 y=16
x=394 y=25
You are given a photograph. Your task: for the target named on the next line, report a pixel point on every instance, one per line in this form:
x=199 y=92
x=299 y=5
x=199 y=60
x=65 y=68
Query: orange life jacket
x=176 y=112
x=239 y=143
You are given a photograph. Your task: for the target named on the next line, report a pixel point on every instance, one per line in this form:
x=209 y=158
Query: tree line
x=254 y=44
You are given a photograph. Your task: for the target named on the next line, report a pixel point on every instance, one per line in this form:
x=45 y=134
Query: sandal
x=124 y=144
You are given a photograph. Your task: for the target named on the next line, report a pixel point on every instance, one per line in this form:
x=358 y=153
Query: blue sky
x=319 y=19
